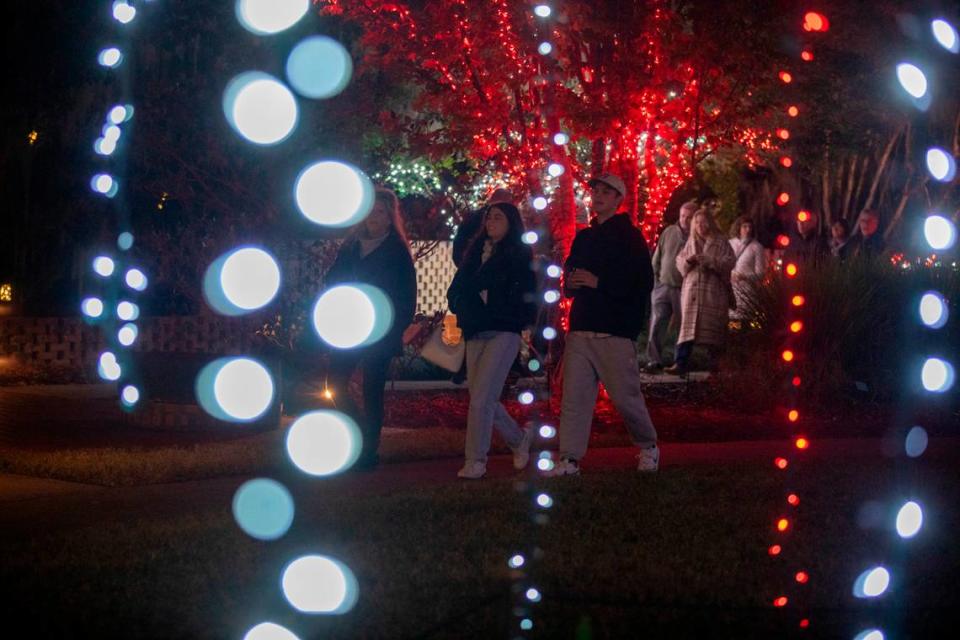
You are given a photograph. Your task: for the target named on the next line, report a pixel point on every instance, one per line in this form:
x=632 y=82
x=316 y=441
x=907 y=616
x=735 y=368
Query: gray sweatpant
x=613 y=361
x=664 y=306
x=489 y=357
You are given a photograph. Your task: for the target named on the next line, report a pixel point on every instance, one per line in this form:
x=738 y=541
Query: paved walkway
x=31 y=505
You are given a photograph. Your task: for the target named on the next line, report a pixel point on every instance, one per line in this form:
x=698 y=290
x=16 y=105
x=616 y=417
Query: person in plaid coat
x=705 y=263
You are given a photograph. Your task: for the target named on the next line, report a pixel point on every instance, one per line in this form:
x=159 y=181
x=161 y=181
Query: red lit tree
x=644 y=89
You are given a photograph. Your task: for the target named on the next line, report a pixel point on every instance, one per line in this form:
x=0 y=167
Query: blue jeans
x=490 y=355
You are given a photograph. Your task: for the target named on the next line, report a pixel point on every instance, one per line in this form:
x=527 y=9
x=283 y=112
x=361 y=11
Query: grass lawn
x=678 y=554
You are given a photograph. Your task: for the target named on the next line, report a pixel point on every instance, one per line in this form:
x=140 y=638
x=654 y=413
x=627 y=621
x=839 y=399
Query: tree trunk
x=825 y=187
x=881 y=167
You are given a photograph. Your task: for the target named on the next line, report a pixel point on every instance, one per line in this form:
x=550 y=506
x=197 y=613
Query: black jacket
x=510 y=283
x=617 y=253
x=389 y=267
x=860 y=246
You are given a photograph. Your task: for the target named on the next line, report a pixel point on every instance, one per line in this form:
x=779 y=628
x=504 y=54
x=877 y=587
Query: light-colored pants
x=664 y=306
x=613 y=361
x=489 y=357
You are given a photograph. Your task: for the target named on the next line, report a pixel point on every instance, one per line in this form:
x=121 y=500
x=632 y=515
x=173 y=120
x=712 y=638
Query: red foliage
x=645 y=91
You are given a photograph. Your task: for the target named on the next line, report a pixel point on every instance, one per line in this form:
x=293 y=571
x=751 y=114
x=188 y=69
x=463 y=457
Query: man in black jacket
x=609 y=276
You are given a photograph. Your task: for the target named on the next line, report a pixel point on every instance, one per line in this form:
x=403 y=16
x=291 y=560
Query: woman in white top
x=751 y=266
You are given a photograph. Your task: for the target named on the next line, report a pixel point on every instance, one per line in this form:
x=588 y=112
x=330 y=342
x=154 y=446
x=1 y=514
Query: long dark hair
x=512 y=240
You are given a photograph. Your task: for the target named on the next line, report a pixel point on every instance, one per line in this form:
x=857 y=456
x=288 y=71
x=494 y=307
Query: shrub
x=860 y=326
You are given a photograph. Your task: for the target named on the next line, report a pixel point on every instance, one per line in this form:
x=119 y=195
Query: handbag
x=445 y=347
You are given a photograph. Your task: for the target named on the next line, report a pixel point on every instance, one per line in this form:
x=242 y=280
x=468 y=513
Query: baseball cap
x=613 y=181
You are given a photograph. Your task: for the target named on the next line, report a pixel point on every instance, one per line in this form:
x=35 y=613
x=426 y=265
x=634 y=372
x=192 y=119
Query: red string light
x=793 y=415
x=793 y=499
x=802 y=443
x=791 y=270
x=796 y=327
x=783 y=524
x=780 y=602
x=781 y=463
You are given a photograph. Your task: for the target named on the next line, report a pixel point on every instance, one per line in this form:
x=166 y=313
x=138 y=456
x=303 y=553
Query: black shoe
x=676 y=369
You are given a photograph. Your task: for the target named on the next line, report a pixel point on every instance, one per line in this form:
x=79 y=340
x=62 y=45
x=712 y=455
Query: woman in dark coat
x=492 y=295
x=375 y=253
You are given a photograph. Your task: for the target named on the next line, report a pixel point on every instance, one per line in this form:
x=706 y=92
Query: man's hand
x=582 y=278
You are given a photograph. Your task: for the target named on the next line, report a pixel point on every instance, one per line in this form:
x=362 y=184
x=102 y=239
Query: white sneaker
x=521 y=455
x=473 y=470
x=648 y=460
x=565 y=467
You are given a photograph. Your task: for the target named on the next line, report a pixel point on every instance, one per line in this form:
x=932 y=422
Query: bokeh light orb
x=554 y=271
x=545 y=48
x=117 y=114
x=526 y=397
x=533 y=595
x=916 y=442
x=110 y=57
x=516 y=561
x=103 y=266
x=547 y=431
x=544 y=501
x=352 y=315
x=872 y=583
x=136 y=279
x=870 y=634
x=92 y=307
x=333 y=194
x=542 y=10
x=940 y=232
x=104 y=147
x=125 y=241
x=104 y=184
x=322 y=443
x=123 y=12
x=260 y=108
x=909 y=519
x=266 y=17
x=242 y=280
x=127 y=334
x=107 y=366
x=555 y=169
x=934 y=311
x=912 y=79
x=560 y=138
x=263 y=508
x=318 y=584
x=530 y=237
x=941 y=164
x=945 y=35
x=130 y=395
x=319 y=67
x=270 y=631
x=937 y=375
x=235 y=389
x=549 y=333
x=539 y=203
x=127 y=310
x=550 y=296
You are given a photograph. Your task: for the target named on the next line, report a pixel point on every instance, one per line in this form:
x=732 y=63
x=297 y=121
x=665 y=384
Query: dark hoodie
x=616 y=252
